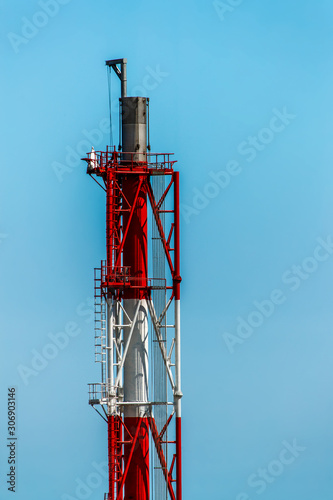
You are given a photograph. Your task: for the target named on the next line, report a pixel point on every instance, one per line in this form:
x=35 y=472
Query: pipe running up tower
x=137 y=310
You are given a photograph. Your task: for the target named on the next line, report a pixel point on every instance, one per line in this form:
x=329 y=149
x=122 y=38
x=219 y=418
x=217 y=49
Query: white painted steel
x=126 y=348
x=178 y=392
x=161 y=343
x=135 y=373
x=111 y=317
x=109 y=337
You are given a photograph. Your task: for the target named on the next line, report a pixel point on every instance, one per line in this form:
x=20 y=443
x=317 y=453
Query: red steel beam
x=159 y=226
x=129 y=460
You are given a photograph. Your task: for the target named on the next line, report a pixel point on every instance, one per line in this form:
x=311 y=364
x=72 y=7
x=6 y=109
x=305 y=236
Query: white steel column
x=135 y=373
x=110 y=356
x=178 y=392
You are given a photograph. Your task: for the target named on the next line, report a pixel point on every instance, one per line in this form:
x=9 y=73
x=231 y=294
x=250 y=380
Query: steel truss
x=112 y=280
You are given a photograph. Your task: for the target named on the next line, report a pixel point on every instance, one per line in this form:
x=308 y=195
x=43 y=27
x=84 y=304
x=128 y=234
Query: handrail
x=101 y=160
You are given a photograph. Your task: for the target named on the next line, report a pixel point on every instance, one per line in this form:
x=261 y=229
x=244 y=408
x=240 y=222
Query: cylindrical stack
x=138 y=411
x=134 y=139
x=134 y=126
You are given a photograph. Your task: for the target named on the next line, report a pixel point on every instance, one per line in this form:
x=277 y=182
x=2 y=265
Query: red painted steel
x=179 y=458
x=177 y=280
x=136 y=460
x=134 y=253
x=135 y=235
x=125 y=276
x=163 y=462
x=176 y=276
x=115 y=454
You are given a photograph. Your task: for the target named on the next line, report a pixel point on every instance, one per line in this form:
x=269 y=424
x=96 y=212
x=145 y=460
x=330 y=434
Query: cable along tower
x=137 y=309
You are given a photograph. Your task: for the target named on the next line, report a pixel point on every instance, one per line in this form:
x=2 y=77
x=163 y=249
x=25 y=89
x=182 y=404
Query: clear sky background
x=241 y=92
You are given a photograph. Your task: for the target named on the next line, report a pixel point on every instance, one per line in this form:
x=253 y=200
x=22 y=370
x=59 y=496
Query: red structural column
x=137 y=478
x=176 y=237
x=134 y=189
x=135 y=244
x=114 y=455
x=177 y=280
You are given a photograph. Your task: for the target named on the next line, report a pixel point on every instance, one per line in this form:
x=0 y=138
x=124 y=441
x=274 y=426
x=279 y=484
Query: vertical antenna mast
x=139 y=395
x=120 y=72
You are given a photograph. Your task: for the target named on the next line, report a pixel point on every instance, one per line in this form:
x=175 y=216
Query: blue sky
x=241 y=93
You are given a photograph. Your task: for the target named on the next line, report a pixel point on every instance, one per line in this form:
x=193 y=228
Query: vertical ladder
x=100 y=323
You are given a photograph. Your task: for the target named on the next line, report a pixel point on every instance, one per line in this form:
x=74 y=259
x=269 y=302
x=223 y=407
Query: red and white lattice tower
x=137 y=310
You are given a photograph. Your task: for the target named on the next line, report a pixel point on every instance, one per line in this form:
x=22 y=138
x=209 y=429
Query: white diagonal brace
x=171 y=349
x=128 y=343
x=117 y=348
x=124 y=311
x=165 y=310
x=160 y=341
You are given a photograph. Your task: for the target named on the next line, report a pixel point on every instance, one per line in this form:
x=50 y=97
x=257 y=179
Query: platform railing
x=101 y=160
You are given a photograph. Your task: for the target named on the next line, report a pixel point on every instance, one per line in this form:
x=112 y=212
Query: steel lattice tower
x=137 y=314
